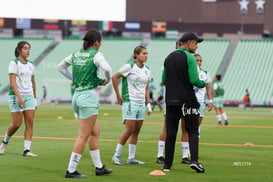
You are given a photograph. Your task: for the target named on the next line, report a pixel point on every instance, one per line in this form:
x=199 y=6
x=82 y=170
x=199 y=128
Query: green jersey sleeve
x=193 y=73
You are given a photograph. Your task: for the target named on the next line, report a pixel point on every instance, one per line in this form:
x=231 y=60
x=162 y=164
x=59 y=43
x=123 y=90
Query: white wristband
x=149 y=107
x=210 y=101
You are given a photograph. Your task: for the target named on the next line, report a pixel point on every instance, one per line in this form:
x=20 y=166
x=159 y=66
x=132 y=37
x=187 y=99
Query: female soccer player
x=85 y=63
x=22 y=97
x=135 y=94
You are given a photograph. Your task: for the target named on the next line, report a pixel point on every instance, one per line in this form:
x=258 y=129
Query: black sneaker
x=185 y=161
x=75 y=174
x=166 y=169
x=197 y=167
x=160 y=160
x=102 y=171
x=226 y=122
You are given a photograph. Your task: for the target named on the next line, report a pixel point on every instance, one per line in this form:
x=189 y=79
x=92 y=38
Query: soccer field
x=222 y=149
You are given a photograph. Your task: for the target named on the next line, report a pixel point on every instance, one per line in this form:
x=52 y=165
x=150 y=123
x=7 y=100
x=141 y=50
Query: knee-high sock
x=132 y=151
x=160 y=149
x=224 y=115
x=73 y=162
x=6 y=138
x=219 y=118
x=119 y=149
x=95 y=156
x=27 y=144
x=185 y=149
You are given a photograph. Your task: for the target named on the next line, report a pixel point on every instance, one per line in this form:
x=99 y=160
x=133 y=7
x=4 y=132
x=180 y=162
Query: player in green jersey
x=85 y=64
x=218 y=100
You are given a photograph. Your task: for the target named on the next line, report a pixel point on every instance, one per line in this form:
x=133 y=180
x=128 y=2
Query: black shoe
x=226 y=122
x=160 y=160
x=74 y=175
x=185 y=161
x=197 y=167
x=166 y=168
x=102 y=171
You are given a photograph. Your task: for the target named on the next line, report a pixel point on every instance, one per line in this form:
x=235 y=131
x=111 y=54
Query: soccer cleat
x=197 y=167
x=102 y=171
x=160 y=160
x=75 y=174
x=134 y=161
x=117 y=160
x=185 y=161
x=28 y=153
x=3 y=147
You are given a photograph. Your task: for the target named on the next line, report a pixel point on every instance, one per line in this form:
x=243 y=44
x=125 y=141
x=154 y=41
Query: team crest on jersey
x=146 y=72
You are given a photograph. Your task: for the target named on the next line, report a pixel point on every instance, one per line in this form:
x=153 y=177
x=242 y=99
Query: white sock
x=185 y=149
x=161 y=147
x=132 y=151
x=6 y=138
x=224 y=115
x=27 y=144
x=95 y=156
x=119 y=149
x=219 y=118
x=73 y=162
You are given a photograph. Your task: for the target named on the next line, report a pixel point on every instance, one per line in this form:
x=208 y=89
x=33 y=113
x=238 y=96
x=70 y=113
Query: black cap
x=190 y=36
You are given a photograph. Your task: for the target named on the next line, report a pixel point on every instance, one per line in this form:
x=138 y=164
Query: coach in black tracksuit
x=181 y=74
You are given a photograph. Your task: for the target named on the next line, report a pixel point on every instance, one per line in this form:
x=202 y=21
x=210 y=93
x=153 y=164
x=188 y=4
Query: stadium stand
x=116 y=52
x=251 y=67
x=213 y=53
x=212 y=50
x=158 y=50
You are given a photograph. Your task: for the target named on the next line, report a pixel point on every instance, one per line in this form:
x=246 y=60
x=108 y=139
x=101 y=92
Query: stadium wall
x=221 y=17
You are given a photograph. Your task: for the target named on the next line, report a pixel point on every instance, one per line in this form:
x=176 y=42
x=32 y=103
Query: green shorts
x=202 y=109
x=218 y=102
x=133 y=111
x=85 y=104
x=29 y=103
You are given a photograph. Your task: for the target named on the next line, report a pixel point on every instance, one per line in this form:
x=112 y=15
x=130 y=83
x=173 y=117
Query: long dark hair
x=90 y=37
x=138 y=50
x=218 y=77
x=19 y=46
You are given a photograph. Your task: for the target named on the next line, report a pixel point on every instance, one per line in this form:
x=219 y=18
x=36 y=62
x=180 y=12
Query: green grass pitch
x=221 y=150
